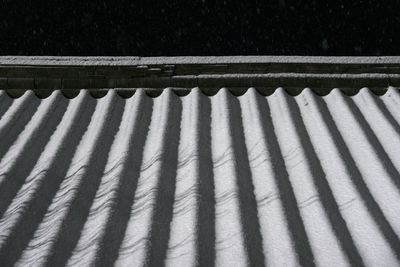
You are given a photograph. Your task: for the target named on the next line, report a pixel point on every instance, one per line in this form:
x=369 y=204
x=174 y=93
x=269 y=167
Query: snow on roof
x=136 y=60
x=249 y=180
x=203 y=178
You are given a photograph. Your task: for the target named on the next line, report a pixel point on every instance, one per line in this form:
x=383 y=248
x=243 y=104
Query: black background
x=169 y=28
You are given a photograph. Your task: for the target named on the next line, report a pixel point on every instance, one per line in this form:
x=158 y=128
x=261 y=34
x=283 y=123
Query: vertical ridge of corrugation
x=277 y=245
x=364 y=165
x=328 y=190
x=200 y=180
x=346 y=182
x=166 y=184
x=73 y=223
x=5 y=103
x=303 y=169
x=295 y=224
x=15 y=119
x=17 y=147
x=392 y=101
x=101 y=235
x=30 y=204
x=182 y=243
x=384 y=137
x=21 y=158
x=244 y=180
x=71 y=197
x=147 y=234
x=230 y=243
x=389 y=182
x=113 y=237
x=386 y=113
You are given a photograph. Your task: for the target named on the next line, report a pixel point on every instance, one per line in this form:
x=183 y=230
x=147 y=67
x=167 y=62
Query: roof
x=200 y=178
x=266 y=73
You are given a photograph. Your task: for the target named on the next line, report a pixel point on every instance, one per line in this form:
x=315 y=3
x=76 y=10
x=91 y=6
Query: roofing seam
x=200 y=180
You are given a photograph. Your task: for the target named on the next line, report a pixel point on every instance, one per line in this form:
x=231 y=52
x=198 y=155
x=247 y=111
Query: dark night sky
x=168 y=28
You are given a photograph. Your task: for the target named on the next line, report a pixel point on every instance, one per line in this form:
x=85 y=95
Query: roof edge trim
x=136 y=60
x=50 y=73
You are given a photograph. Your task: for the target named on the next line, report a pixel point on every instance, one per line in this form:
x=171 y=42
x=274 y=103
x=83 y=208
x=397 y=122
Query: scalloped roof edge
x=181 y=92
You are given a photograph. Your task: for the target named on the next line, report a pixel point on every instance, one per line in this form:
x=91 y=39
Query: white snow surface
x=136 y=60
x=191 y=180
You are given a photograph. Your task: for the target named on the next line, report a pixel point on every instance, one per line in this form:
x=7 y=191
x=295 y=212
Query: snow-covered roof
x=201 y=178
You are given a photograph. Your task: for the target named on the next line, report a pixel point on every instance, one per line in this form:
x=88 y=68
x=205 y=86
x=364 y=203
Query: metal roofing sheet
x=196 y=179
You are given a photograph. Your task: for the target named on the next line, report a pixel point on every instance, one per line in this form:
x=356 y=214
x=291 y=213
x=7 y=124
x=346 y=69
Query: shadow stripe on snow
x=121 y=208
x=294 y=220
x=383 y=157
x=163 y=210
x=247 y=201
x=26 y=158
x=36 y=209
x=356 y=176
x=206 y=200
x=80 y=206
x=18 y=115
x=325 y=193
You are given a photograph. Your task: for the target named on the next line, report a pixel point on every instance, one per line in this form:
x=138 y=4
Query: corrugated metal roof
x=196 y=179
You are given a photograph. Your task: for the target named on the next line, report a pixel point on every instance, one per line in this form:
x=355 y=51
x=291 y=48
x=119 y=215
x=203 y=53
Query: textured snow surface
x=135 y=60
x=200 y=180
